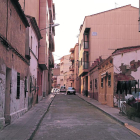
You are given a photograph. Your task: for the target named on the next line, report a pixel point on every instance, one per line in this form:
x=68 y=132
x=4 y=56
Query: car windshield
x=70 y=88
x=63 y=87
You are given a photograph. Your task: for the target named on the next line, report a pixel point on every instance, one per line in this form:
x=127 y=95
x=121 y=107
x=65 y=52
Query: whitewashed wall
x=126 y=58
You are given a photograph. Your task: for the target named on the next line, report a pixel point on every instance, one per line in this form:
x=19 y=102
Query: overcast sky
x=70 y=15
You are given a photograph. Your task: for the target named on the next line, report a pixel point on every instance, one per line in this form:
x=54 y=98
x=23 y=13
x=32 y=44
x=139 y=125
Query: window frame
x=109 y=80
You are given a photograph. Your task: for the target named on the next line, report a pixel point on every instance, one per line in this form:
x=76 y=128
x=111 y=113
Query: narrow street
x=71 y=118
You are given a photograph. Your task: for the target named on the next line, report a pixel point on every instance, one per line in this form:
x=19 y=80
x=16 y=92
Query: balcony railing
x=86 y=45
x=85 y=65
x=71 y=68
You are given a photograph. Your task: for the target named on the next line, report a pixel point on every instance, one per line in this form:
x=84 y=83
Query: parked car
x=63 y=89
x=71 y=90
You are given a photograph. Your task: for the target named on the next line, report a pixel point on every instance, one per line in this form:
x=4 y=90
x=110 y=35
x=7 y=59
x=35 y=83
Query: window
x=90 y=85
x=25 y=86
x=101 y=82
x=96 y=83
x=18 y=85
x=109 y=80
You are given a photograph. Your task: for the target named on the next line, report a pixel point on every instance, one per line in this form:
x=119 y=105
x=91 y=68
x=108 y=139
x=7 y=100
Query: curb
x=38 y=124
x=130 y=127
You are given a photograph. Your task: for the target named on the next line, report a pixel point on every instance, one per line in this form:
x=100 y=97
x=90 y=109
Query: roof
x=20 y=12
x=96 y=63
x=35 y=26
x=106 y=11
x=125 y=50
x=120 y=51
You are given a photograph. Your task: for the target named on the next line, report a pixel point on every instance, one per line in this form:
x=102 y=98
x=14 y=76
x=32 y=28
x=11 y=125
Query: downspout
x=7 y=21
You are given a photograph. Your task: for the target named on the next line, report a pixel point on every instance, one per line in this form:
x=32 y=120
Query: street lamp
x=53 y=25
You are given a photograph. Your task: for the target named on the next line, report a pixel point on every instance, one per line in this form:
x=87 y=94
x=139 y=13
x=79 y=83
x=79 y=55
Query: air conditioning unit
x=127 y=67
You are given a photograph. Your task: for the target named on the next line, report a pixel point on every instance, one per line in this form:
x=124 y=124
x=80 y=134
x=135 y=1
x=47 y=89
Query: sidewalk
x=25 y=127
x=114 y=113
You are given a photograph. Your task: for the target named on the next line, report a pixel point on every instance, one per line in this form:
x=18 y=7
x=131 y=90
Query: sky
x=70 y=15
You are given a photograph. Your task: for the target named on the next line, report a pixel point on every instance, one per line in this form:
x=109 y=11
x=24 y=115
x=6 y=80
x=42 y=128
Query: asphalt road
x=71 y=118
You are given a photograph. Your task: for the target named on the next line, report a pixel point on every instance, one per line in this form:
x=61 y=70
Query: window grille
x=101 y=82
x=25 y=89
x=90 y=85
x=96 y=83
x=18 y=85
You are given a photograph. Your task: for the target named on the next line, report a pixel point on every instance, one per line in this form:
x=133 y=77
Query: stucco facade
x=103 y=32
x=106 y=82
x=122 y=65
x=64 y=67
x=74 y=68
x=32 y=45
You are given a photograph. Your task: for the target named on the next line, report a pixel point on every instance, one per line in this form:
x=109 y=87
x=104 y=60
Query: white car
x=71 y=90
x=63 y=89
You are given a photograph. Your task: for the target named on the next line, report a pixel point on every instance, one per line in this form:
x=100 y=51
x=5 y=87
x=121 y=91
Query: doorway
x=7 y=96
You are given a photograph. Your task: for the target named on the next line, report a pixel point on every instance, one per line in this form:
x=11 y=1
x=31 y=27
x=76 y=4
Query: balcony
x=71 y=57
x=71 y=68
x=86 y=45
x=42 y=61
x=84 y=68
x=85 y=65
x=71 y=77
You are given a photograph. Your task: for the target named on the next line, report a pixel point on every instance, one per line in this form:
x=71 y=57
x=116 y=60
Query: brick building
x=14 y=67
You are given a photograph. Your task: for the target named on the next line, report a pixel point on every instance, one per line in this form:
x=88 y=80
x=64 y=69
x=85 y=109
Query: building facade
x=64 y=67
x=33 y=37
x=74 y=68
x=55 y=77
x=44 y=13
x=14 y=67
x=119 y=75
x=101 y=33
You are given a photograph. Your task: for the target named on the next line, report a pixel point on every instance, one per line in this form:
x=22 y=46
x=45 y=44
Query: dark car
x=71 y=90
